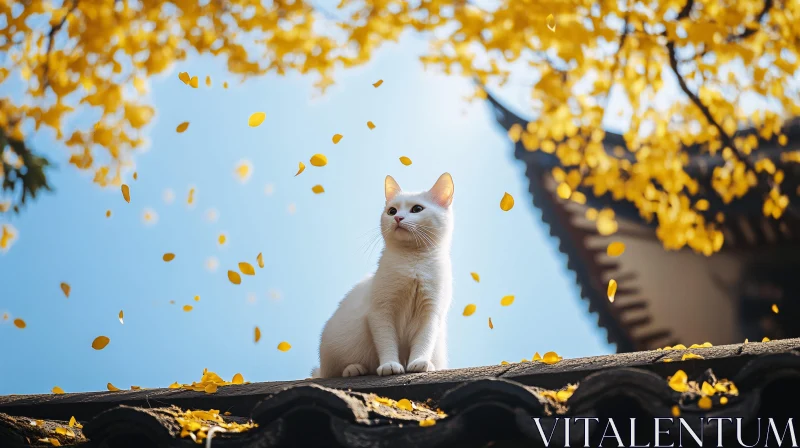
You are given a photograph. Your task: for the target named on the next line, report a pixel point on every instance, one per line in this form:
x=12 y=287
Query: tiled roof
x=460 y=407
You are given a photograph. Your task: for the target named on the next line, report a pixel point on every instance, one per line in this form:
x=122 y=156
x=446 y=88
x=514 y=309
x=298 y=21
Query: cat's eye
x=392 y=211
x=417 y=209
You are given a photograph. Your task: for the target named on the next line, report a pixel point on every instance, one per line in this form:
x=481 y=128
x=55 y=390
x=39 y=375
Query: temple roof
x=459 y=407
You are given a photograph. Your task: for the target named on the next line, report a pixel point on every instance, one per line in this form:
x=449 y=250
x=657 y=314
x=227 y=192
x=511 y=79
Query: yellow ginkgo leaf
x=284 y=346
x=100 y=342
x=704 y=403
x=234 y=277
x=112 y=388
x=260 y=260
x=679 y=381
x=19 y=323
x=108 y=213
x=766 y=339
x=491 y=325
x=135 y=175
x=222 y=238
x=247 y=268
x=225 y=85
x=615 y=249
x=256 y=118
x=551 y=23
x=208 y=81
x=168 y=257
x=475 y=276
x=243 y=170
x=238 y=379
x=551 y=358
x=196 y=298
x=405 y=160
x=317 y=189
x=72 y=422
x=211 y=388
x=612 y=290
x=319 y=160
x=337 y=138
x=469 y=310
x=257 y=334
x=300 y=168
x=57 y=390
x=187 y=308
x=174 y=385
x=676 y=411
x=775 y=308
x=183 y=76
x=65 y=288
x=371 y=125
x=405 y=404
x=194 y=82
x=723 y=400
x=126 y=193
x=377 y=83
x=507 y=203
x=121 y=316
x=507 y=300
x=190 y=198
x=536 y=357
x=182 y=127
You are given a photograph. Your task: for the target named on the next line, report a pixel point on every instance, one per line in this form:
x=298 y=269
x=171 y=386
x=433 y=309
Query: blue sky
x=312 y=256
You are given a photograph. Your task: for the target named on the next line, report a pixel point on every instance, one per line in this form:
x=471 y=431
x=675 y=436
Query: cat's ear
x=391 y=187
x=442 y=190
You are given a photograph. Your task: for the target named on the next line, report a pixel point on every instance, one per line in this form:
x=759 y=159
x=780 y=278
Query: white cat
x=394 y=321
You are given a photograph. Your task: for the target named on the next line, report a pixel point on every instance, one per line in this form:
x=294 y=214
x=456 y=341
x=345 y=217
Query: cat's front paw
x=390 y=368
x=354 y=370
x=420 y=365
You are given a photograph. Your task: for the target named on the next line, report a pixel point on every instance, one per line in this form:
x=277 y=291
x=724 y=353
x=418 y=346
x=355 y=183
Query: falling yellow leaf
x=182 y=127
x=65 y=288
x=507 y=203
x=183 y=76
x=256 y=118
x=405 y=160
x=149 y=217
x=551 y=358
x=57 y=390
x=377 y=83
x=612 y=290
x=775 y=308
x=337 y=138
x=135 y=175
x=704 y=403
x=606 y=223
x=168 y=257
x=234 y=277
x=491 y=325
x=208 y=81
x=469 y=309
x=300 y=168
x=564 y=191
x=615 y=249
x=427 y=422
x=257 y=335
x=507 y=300
x=243 y=170
x=551 y=23
x=100 y=342
x=723 y=400
x=284 y=346
x=370 y=125
x=317 y=189
x=676 y=411
x=196 y=298
x=404 y=404
x=260 y=260
x=221 y=239
x=126 y=193
x=19 y=323
x=679 y=381
x=238 y=379
x=194 y=82
x=247 y=268
x=112 y=388
x=121 y=316
x=190 y=198
x=187 y=308
x=108 y=213
x=211 y=388
x=475 y=276
x=225 y=85
x=319 y=160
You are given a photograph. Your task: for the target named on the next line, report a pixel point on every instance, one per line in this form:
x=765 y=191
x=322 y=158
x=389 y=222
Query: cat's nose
x=397 y=219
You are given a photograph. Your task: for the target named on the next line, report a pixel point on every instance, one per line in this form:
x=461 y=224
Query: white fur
x=394 y=321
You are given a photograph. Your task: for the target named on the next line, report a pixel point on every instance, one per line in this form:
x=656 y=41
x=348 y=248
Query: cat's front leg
x=384 y=335
x=424 y=341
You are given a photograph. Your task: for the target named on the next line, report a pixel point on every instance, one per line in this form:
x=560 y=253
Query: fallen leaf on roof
x=766 y=339
x=319 y=160
x=57 y=390
x=551 y=358
x=427 y=422
x=100 y=342
x=126 y=193
x=211 y=388
x=507 y=202
x=536 y=357
x=112 y=388
x=690 y=356
x=238 y=379
x=197 y=424
x=469 y=309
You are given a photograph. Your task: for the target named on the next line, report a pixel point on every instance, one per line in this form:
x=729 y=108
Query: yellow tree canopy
x=97 y=54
